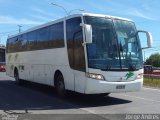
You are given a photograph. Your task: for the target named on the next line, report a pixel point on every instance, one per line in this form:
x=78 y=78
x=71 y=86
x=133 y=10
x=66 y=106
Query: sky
x=30 y=13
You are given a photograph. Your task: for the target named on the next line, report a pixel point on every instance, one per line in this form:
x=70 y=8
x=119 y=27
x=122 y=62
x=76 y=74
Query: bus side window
x=74 y=44
x=56 y=37
x=32 y=40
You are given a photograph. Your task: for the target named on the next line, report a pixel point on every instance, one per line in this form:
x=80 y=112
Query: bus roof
x=106 y=16
x=68 y=17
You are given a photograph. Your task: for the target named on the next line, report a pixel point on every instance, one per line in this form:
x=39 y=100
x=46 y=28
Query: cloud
x=43 y=15
x=42 y=12
x=42 y=18
x=12 y=20
x=139 y=14
x=136 y=9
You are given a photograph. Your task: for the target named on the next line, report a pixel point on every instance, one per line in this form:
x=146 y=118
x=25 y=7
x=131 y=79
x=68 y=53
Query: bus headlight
x=139 y=76
x=95 y=76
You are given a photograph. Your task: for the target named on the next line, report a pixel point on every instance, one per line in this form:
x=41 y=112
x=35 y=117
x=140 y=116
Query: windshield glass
x=129 y=46
x=114 y=45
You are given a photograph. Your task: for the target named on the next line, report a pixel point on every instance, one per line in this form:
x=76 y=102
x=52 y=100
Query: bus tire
x=105 y=94
x=16 y=76
x=60 y=86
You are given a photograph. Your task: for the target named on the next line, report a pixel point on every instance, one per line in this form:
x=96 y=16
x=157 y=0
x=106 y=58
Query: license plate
x=120 y=87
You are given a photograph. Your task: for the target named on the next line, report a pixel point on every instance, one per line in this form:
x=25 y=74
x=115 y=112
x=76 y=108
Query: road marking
x=151 y=100
x=88 y=110
x=151 y=88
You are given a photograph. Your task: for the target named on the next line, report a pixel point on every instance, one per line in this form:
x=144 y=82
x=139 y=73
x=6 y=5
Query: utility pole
x=19 y=28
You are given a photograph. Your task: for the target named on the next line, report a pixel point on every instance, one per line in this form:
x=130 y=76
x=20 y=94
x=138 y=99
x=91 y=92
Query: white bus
x=85 y=53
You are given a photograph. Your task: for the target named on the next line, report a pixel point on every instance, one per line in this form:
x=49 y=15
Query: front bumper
x=97 y=86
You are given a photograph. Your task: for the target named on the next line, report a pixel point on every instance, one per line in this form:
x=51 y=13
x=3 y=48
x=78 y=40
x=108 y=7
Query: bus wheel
x=60 y=86
x=105 y=94
x=16 y=76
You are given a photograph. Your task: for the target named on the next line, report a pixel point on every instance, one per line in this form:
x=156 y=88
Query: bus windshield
x=115 y=45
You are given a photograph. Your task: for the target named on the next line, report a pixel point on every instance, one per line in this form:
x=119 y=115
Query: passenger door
x=76 y=54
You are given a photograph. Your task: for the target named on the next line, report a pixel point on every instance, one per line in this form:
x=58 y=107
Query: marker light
x=139 y=76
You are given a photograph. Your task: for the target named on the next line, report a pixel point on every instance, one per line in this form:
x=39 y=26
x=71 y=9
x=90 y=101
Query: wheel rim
x=60 y=86
x=16 y=77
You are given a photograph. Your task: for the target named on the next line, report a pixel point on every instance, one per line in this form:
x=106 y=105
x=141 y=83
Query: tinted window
x=24 y=42
x=44 y=38
x=74 y=44
x=20 y=43
x=32 y=40
x=12 y=44
x=56 y=38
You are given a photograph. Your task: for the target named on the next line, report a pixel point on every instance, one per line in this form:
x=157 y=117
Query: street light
x=74 y=10
x=67 y=12
x=60 y=7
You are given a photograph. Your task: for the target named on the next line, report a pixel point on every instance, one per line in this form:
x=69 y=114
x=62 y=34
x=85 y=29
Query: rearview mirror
x=88 y=33
x=149 y=38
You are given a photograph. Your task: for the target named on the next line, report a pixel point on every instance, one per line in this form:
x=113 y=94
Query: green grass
x=152 y=82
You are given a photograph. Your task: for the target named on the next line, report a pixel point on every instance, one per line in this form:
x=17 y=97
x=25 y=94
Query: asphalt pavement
x=34 y=101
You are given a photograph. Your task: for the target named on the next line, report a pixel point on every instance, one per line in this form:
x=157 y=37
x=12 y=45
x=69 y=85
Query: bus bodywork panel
x=95 y=86
x=114 y=82
x=36 y=66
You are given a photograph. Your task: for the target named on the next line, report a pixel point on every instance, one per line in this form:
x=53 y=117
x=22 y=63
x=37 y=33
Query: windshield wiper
x=106 y=69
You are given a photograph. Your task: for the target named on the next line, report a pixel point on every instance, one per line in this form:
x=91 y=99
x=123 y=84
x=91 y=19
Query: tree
x=153 y=60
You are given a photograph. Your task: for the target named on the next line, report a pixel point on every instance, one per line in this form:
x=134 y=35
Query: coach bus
x=2 y=58
x=85 y=53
